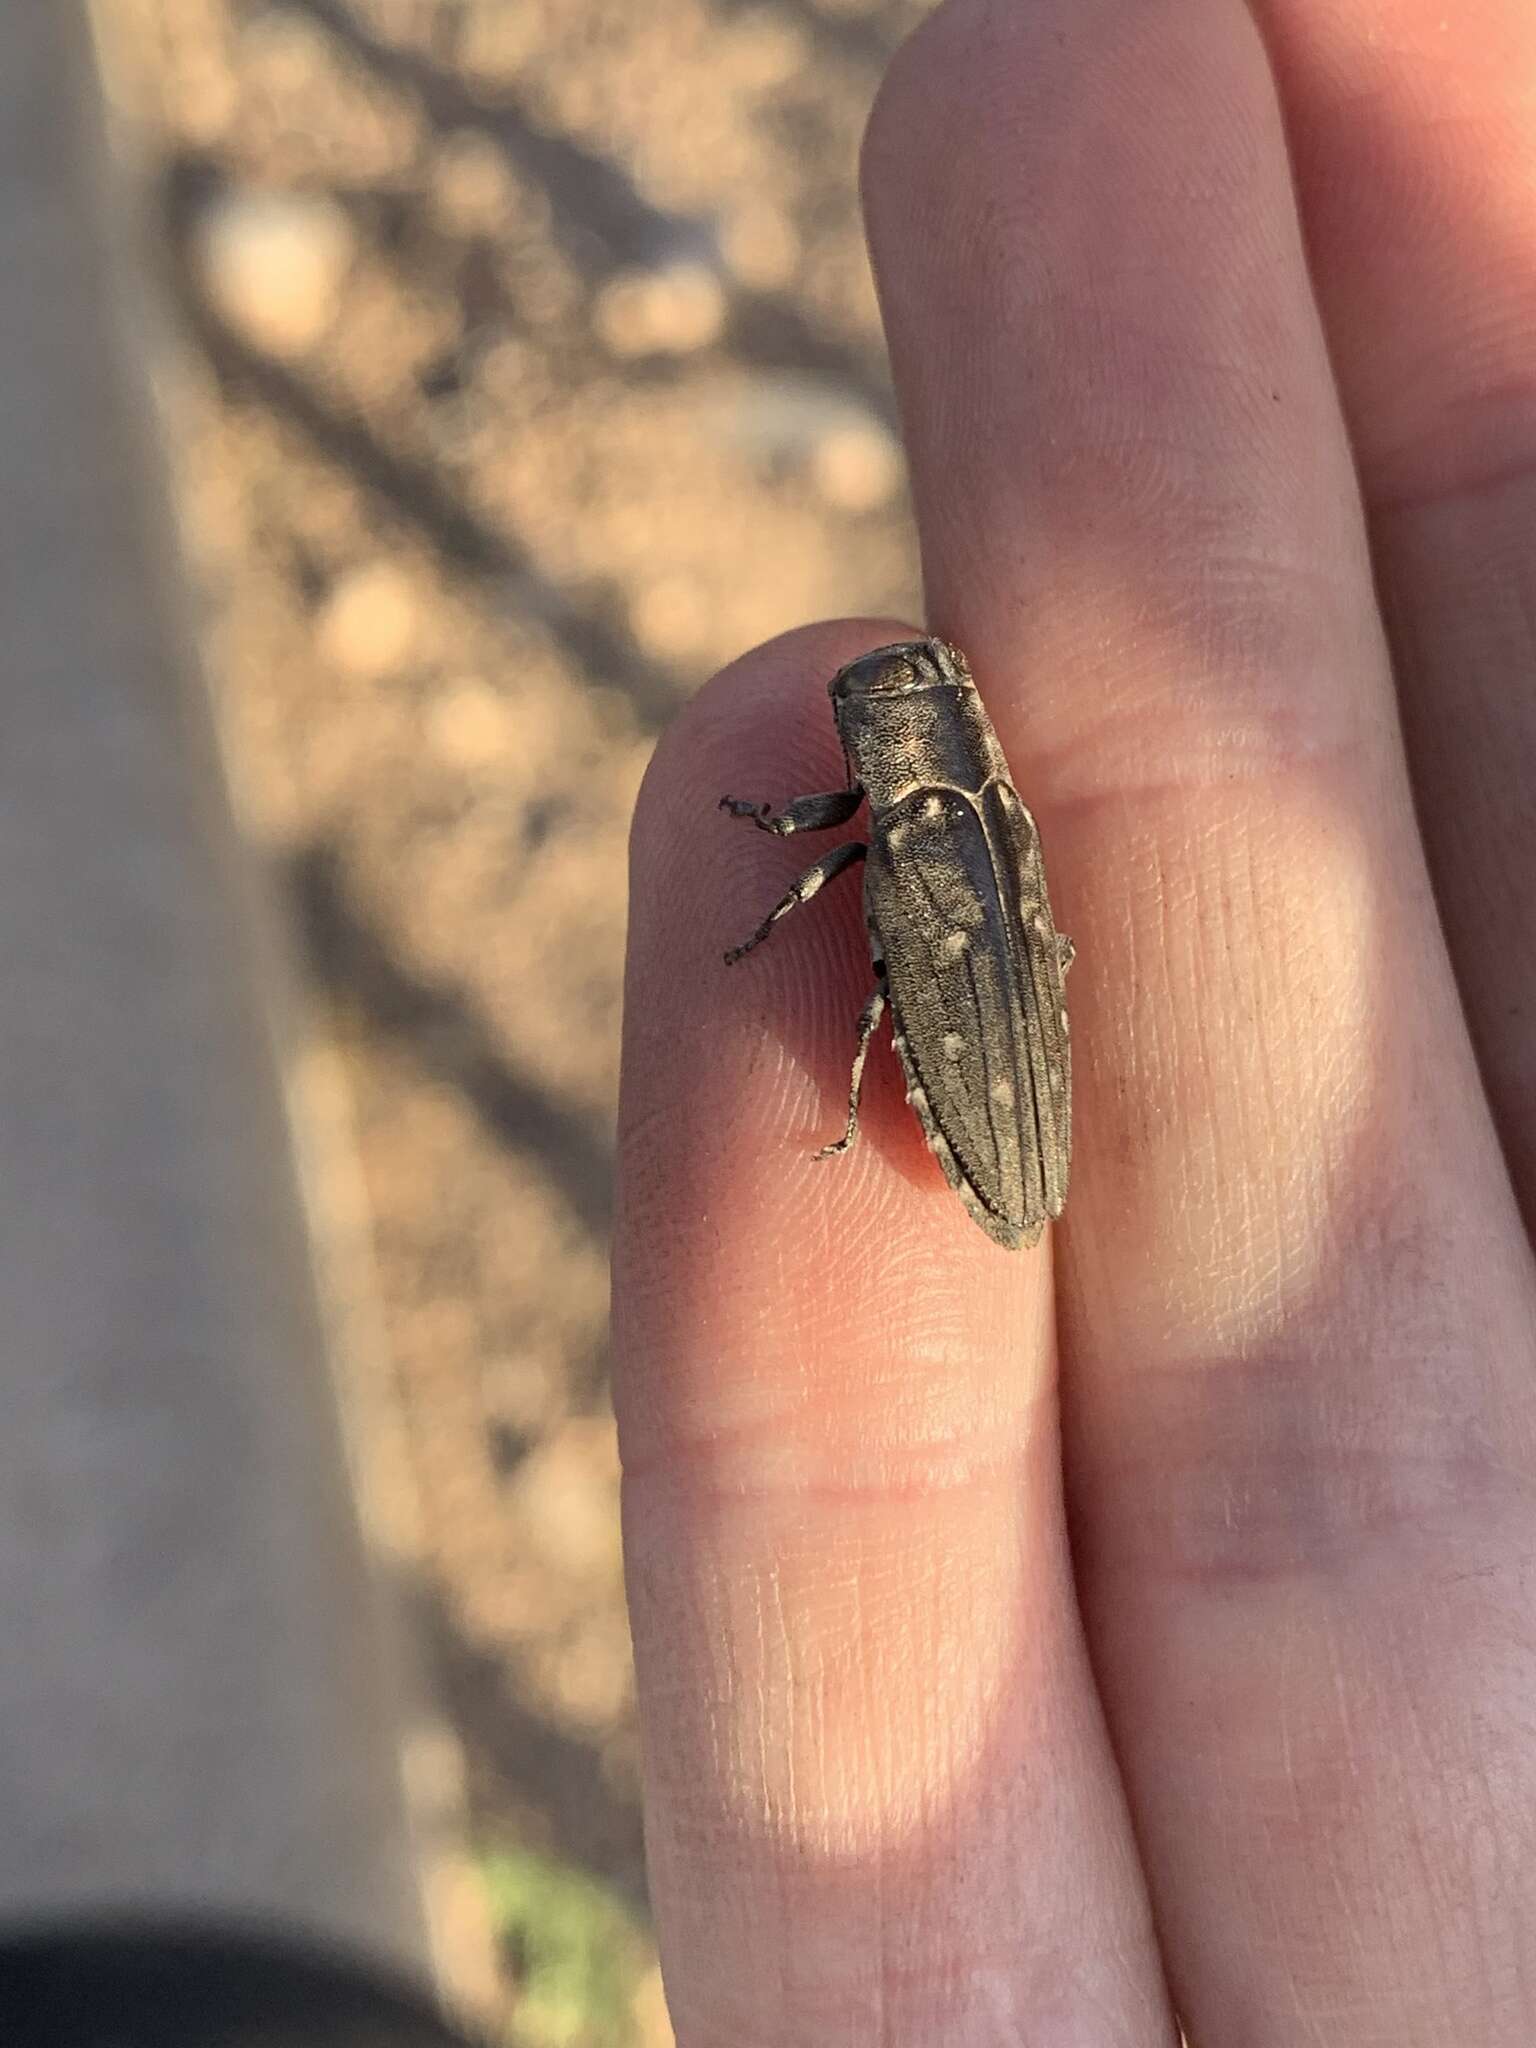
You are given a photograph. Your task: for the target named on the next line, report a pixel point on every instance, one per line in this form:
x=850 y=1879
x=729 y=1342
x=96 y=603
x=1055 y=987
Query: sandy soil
x=522 y=365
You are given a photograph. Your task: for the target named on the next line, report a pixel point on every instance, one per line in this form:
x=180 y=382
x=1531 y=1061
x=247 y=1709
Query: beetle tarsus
x=805 y=814
x=869 y=1018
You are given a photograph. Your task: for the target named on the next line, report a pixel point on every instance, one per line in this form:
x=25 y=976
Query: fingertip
x=763 y=718
x=907 y=114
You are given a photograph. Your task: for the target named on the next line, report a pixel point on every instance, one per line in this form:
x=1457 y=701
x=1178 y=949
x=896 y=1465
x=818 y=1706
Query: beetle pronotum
x=960 y=928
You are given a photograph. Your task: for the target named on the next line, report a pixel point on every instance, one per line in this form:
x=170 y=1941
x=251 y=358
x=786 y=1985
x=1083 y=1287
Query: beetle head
x=893 y=671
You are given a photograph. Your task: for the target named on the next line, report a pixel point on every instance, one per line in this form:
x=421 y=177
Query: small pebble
x=564 y=1496
x=280 y=51
x=471 y=724
x=671 y=311
x=472 y=188
x=274 y=265
x=761 y=245
x=368 y=625
x=857 y=466
x=670 y=618
x=765 y=49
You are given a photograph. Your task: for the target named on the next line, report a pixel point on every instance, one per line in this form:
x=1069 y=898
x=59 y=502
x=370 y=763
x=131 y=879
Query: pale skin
x=1048 y=1647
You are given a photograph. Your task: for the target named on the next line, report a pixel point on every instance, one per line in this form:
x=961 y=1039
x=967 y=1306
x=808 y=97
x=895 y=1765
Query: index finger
x=880 y=1804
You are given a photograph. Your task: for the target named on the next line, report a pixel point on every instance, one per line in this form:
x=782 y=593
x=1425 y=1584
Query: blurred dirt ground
x=521 y=365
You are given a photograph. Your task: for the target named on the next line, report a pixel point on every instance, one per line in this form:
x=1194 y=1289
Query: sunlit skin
x=1046 y=1647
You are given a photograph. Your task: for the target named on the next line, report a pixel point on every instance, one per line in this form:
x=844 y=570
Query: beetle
x=965 y=950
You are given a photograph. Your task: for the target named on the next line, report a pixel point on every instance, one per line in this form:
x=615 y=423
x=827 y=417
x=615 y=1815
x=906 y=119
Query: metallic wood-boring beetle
x=960 y=928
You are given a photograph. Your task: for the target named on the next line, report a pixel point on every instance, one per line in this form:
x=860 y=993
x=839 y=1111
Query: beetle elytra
x=965 y=951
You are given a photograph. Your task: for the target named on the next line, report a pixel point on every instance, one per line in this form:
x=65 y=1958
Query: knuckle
x=1337 y=1514
x=1232 y=678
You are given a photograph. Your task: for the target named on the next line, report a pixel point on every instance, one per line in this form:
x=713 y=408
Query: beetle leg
x=815 y=877
x=869 y=1018
x=805 y=814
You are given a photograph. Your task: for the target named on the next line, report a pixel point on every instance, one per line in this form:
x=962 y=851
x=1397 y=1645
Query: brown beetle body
x=965 y=949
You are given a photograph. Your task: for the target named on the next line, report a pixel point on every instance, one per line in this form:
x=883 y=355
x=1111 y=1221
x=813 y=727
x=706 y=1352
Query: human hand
x=1256 y=1746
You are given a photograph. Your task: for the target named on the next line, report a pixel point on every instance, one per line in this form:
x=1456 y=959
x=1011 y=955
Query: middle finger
x=1295 y=1299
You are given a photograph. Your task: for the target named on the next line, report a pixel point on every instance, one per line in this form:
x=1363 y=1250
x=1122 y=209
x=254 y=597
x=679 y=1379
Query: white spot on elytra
x=934 y=807
x=954 y=1045
x=955 y=943
x=1002 y=1094
x=1065 y=1027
